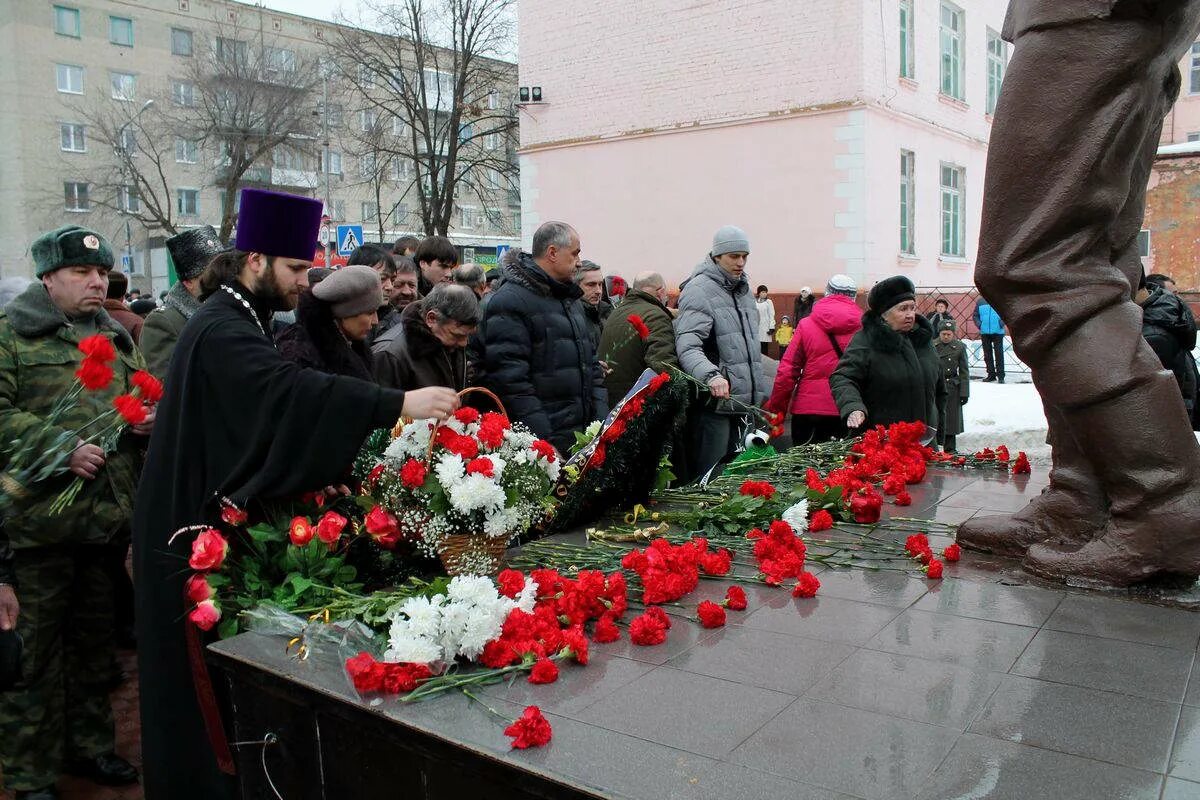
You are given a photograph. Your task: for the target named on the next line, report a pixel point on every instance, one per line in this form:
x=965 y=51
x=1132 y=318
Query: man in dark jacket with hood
x=533 y=344
x=191 y=252
x=431 y=347
x=622 y=347
x=1168 y=326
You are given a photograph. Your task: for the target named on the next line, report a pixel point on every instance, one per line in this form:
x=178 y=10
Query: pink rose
x=205 y=615
x=208 y=551
x=197 y=589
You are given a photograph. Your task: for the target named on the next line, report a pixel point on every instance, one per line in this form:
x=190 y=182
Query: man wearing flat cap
x=245 y=425
x=191 y=252
x=55 y=580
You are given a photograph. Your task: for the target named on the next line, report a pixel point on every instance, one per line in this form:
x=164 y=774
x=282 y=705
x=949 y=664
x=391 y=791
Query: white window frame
x=467 y=216
x=187 y=151
x=907 y=26
x=339 y=209
x=72 y=137
x=229 y=50
x=908 y=204
x=953 y=210
x=128 y=140
x=399 y=127
x=72 y=13
x=401 y=169
x=368 y=119
x=82 y=201
x=67 y=71
x=370 y=211
x=183 y=93
x=1194 y=136
x=120 y=95
x=997 y=65
x=491 y=141
x=113 y=19
x=952 y=65
x=334 y=167
x=366 y=77
x=439 y=89
x=128 y=200
x=494 y=181
x=183 y=193
x=181 y=35
x=368 y=165
x=1144 y=243
x=280 y=60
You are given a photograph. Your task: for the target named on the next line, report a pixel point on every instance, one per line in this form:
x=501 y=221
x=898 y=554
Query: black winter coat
x=417 y=359
x=893 y=377
x=315 y=342
x=1170 y=330
x=533 y=349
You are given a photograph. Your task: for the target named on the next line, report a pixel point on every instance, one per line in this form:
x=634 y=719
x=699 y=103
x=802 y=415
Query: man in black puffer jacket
x=1170 y=330
x=533 y=348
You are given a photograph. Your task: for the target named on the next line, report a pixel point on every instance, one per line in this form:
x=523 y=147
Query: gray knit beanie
x=841 y=284
x=351 y=291
x=730 y=239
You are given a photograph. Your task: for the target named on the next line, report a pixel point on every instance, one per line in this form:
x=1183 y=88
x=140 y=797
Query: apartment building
x=72 y=70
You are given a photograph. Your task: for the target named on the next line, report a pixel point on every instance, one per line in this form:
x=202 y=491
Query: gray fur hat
x=351 y=291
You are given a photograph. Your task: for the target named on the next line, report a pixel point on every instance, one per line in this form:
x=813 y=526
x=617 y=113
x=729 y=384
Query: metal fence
x=962 y=300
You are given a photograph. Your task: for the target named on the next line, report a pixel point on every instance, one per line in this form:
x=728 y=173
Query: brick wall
x=1172 y=220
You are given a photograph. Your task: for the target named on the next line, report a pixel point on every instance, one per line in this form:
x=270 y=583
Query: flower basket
x=464 y=488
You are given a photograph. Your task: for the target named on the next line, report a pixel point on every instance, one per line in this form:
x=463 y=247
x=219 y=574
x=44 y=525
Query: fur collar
x=419 y=340
x=887 y=340
x=527 y=273
x=180 y=299
x=33 y=314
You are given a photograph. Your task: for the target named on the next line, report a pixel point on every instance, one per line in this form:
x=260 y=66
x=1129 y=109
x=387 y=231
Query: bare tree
x=251 y=98
x=380 y=167
x=431 y=64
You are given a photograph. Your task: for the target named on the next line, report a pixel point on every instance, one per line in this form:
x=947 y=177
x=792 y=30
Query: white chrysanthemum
x=450 y=469
x=474 y=589
x=797 y=516
x=498 y=465
x=413 y=441
x=502 y=522
x=519 y=439
x=475 y=493
x=455 y=616
x=527 y=597
x=424 y=615
x=482 y=626
x=414 y=649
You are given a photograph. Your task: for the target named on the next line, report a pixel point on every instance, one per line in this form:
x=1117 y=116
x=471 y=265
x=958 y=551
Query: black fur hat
x=193 y=249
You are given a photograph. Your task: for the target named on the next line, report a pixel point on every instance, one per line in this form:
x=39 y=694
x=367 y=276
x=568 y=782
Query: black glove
x=962 y=401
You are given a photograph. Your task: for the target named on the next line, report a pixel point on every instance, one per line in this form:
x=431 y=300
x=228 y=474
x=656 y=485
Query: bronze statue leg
x=1072 y=145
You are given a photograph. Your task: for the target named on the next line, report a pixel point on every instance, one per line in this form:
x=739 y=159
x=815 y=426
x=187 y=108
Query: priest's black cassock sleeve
x=238 y=421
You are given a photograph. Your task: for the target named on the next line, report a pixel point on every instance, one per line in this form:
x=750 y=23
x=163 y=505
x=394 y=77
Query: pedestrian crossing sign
x=349 y=239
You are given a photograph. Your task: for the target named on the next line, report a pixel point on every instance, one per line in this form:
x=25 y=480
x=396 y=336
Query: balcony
x=301 y=178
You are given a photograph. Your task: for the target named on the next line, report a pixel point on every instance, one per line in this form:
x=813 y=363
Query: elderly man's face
x=450 y=333
x=404 y=289
x=78 y=291
x=592 y=286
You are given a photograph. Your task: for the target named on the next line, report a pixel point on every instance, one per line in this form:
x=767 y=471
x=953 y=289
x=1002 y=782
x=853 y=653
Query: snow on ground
x=1007 y=413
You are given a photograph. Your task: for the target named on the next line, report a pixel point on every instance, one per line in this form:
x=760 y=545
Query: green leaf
x=227 y=628
x=266 y=534
x=300 y=584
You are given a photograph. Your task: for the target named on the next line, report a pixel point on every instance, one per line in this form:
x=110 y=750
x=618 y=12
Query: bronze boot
x=1148 y=462
x=1069 y=511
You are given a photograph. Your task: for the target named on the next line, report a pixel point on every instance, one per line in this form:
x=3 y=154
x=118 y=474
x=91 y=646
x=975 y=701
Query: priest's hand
x=856 y=419
x=436 y=402
x=86 y=461
x=341 y=490
x=10 y=609
x=147 y=427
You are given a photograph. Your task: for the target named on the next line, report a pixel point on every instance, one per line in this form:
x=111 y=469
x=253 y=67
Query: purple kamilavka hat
x=278 y=224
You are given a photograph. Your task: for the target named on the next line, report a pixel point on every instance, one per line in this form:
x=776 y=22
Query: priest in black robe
x=237 y=421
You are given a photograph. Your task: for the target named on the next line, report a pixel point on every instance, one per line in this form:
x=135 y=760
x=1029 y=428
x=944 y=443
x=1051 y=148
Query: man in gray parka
x=716 y=336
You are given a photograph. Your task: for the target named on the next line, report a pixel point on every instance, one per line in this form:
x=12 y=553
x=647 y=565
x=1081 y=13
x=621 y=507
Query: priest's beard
x=268 y=290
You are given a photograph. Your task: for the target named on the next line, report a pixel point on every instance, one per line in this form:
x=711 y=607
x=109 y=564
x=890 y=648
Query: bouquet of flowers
x=463 y=489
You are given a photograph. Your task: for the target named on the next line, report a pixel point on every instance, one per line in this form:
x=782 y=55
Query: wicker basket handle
x=399 y=426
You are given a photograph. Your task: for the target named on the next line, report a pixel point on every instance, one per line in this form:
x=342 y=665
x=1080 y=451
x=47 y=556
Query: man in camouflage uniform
x=54 y=579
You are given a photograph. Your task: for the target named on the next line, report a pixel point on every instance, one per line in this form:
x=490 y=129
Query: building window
x=71 y=135
x=953 y=216
x=493 y=179
x=280 y=60
x=439 y=89
x=370 y=212
x=367 y=165
x=399 y=128
x=183 y=93
x=76 y=196
x=952 y=51
x=401 y=169
x=127 y=141
x=332 y=165
x=1193 y=137
x=906 y=40
x=187 y=151
x=466 y=217
x=1143 y=243
x=128 y=200
x=66 y=21
x=493 y=100
x=908 y=206
x=369 y=119
x=188 y=202
x=124 y=85
x=491 y=141
x=231 y=52
x=69 y=79
x=285 y=157
x=181 y=42
x=339 y=209
x=1195 y=87
x=120 y=31
x=997 y=61
x=366 y=77
x=466 y=132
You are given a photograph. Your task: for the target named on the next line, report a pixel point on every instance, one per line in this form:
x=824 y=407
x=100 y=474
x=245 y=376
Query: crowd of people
x=275 y=372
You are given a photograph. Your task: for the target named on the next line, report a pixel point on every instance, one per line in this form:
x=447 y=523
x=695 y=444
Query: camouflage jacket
x=38 y=358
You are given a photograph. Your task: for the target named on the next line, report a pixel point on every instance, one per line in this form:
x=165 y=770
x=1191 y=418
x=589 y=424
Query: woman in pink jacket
x=802 y=383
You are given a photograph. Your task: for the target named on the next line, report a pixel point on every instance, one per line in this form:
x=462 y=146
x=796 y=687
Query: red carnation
x=646 y=631
x=1021 y=465
x=578 y=644
x=606 y=631
x=130 y=408
x=375 y=474
x=208 y=551
x=412 y=474
x=903 y=498
x=806 y=586
x=916 y=543
x=638 y=325
x=821 y=521
x=481 y=466
x=544 y=671
x=658 y=615
x=330 y=526
x=529 y=730
x=197 y=590
x=952 y=552
x=711 y=615
x=934 y=569
x=232 y=515
x=813 y=479
x=94 y=374
x=761 y=489
x=866 y=506
x=544 y=449
x=717 y=563
x=401 y=678
x=99 y=347
x=658 y=381
x=205 y=615
x=735 y=598
x=510 y=582
x=1002 y=453
x=149 y=387
x=365 y=673
x=464 y=447
x=300 y=531
x=466 y=415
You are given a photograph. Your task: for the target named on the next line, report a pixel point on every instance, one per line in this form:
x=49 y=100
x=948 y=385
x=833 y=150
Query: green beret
x=70 y=246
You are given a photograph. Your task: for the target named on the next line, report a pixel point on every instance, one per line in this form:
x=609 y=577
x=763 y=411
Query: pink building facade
x=843 y=136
